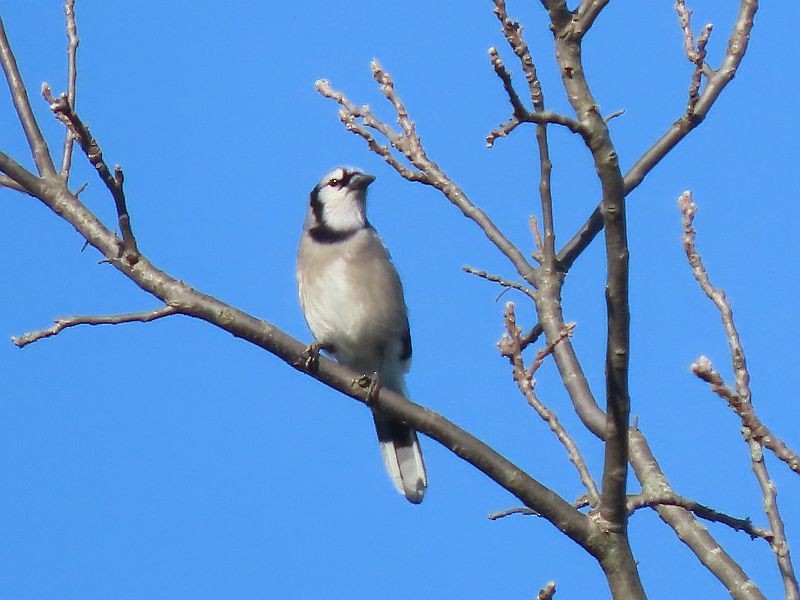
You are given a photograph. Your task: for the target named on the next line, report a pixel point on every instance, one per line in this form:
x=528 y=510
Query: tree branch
x=114 y=182
x=509 y=347
x=689 y=531
x=66 y=322
x=19 y=175
x=72 y=78
x=701 y=510
x=499 y=280
x=612 y=506
x=740 y=400
x=696 y=53
x=547 y=592
x=410 y=145
x=586 y=14
x=737 y=46
x=779 y=544
x=19 y=95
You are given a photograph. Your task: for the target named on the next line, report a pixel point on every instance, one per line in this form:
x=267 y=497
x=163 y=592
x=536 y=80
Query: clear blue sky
x=170 y=460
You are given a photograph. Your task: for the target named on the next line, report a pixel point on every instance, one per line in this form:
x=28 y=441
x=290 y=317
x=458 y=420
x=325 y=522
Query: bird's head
x=338 y=203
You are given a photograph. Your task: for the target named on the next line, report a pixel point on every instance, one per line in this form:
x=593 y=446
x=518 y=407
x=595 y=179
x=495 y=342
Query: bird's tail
x=402 y=456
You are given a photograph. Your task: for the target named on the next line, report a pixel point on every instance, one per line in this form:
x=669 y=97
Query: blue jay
x=353 y=302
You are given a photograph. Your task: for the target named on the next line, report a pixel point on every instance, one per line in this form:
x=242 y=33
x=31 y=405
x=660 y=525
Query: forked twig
x=408 y=143
x=509 y=346
x=66 y=322
x=114 y=181
x=740 y=400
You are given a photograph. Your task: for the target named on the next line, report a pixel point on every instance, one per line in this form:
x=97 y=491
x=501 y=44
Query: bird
x=352 y=299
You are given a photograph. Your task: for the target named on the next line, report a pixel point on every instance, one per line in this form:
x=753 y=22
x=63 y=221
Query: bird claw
x=309 y=359
x=371 y=384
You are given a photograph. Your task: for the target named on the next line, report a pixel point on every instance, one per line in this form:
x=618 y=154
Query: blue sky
x=170 y=460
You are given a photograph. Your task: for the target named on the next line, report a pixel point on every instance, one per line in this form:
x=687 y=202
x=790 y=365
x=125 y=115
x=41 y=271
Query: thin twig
x=531 y=336
x=29 y=182
x=704 y=370
x=66 y=322
x=512 y=31
x=639 y=501
x=497 y=279
x=504 y=75
x=521 y=114
x=428 y=172
x=113 y=181
x=7 y=182
x=19 y=95
x=518 y=510
x=72 y=77
x=587 y=13
x=509 y=347
x=740 y=400
x=779 y=544
x=538 y=254
x=543 y=353
x=547 y=592
x=717 y=81
x=696 y=53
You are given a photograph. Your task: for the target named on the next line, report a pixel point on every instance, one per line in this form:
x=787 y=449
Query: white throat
x=345 y=213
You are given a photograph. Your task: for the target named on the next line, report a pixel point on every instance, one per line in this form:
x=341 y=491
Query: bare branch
x=188 y=301
x=497 y=279
x=546 y=253
x=519 y=510
x=696 y=536
x=531 y=336
x=19 y=95
x=63 y=323
x=688 y=529
x=704 y=370
x=509 y=347
x=72 y=77
x=717 y=81
x=688 y=211
x=614 y=115
x=114 y=182
x=543 y=353
x=544 y=117
x=538 y=255
x=612 y=506
x=779 y=544
x=518 y=107
x=587 y=13
x=695 y=53
x=429 y=173
x=7 y=182
x=512 y=31
x=547 y=592
x=740 y=400
x=640 y=501
x=18 y=174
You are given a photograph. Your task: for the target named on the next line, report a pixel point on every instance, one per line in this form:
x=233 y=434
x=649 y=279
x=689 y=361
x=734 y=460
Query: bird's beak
x=361 y=181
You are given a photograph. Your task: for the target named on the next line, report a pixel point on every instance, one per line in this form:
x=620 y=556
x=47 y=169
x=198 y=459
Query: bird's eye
x=334 y=182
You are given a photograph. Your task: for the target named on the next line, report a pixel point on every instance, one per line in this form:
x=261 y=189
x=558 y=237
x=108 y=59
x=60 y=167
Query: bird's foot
x=370 y=383
x=309 y=359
